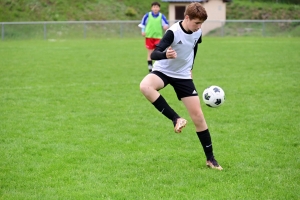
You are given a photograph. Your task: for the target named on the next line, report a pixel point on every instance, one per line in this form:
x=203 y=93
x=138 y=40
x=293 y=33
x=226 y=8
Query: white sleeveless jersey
x=183 y=44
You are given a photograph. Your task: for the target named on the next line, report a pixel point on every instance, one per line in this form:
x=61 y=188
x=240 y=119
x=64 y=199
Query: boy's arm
x=143 y=23
x=165 y=23
x=159 y=52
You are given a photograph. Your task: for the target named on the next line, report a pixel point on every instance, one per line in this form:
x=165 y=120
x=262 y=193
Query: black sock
x=205 y=139
x=162 y=106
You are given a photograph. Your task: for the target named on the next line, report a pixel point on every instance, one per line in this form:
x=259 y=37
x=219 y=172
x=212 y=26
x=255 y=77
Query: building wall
x=216 y=11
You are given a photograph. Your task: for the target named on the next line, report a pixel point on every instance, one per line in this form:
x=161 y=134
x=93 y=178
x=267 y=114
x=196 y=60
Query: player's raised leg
x=149 y=87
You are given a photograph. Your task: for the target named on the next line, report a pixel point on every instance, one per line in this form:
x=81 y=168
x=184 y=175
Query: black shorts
x=182 y=87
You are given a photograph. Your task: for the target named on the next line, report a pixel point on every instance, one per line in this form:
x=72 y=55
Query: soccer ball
x=213 y=96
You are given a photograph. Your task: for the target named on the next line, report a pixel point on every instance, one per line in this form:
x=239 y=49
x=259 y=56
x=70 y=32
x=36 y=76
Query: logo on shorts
x=194 y=92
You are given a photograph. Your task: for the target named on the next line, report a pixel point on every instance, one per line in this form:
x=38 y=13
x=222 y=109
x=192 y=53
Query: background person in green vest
x=153 y=24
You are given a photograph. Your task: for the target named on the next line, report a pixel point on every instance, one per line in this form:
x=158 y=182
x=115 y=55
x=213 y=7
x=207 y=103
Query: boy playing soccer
x=175 y=55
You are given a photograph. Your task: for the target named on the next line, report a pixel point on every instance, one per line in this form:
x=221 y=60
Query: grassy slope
x=259 y=10
x=62 y=10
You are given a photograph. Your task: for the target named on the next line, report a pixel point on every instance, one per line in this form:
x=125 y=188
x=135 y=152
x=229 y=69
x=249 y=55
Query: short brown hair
x=155 y=3
x=196 y=11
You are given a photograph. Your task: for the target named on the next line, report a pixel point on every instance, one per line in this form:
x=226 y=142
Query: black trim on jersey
x=187 y=32
x=196 y=48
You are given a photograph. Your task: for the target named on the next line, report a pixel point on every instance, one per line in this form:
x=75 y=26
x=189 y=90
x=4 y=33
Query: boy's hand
x=170 y=53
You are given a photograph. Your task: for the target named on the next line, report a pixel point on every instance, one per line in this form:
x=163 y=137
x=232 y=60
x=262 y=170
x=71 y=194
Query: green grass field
x=74 y=124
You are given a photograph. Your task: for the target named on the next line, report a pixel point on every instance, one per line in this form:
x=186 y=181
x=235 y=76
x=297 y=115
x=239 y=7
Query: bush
x=130 y=12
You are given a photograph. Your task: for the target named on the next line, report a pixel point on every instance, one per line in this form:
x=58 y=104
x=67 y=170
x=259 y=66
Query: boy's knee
x=144 y=87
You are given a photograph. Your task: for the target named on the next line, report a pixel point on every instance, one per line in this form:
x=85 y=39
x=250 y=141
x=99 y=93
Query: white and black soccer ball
x=213 y=96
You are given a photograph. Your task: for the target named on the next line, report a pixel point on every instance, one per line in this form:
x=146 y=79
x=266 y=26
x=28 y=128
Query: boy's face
x=194 y=24
x=155 y=9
